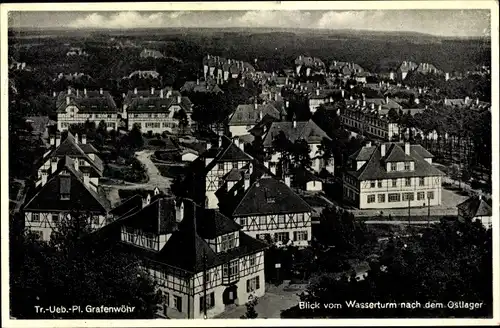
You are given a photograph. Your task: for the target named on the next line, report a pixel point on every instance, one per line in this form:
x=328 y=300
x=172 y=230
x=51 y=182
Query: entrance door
x=230 y=295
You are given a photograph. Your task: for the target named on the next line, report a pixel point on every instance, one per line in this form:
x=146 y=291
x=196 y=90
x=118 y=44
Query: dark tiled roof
x=374 y=168
x=234 y=175
x=92 y=102
x=308 y=130
x=395 y=153
x=474 y=207
x=267 y=195
x=260 y=128
x=81 y=197
x=157 y=104
x=202 y=86
x=302 y=175
x=248 y=114
x=158 y=217
x=211 y=224
x=128 y=206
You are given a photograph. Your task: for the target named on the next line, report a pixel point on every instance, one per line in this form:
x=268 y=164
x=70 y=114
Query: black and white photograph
x=274 y=160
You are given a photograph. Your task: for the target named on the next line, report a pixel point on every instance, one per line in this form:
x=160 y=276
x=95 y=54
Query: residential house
x=392 y=175
x=157 y=110
x=246 y=116
x=207 y=86
x=213 y=164
x=77 y=107
x=466 y=102
x=202 y=261
x=319 y=97
x=83 y=154
x=405 y=68
x=426 y=68
x=348 y=69
x=266 y=208
x=295 y=130
x=304 y=179
x=475 y=209
x=144 y=75
x=65 y=194
x=370 y=117
x=150 y=53
x=312 y=65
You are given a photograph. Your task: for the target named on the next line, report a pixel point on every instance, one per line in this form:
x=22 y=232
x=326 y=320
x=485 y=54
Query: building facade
x=392 y=175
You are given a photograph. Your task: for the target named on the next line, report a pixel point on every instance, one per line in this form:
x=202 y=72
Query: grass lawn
x=170 y=171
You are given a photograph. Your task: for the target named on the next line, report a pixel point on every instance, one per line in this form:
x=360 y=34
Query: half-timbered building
x=66 y=193
x=392 y=175
x=201 y=259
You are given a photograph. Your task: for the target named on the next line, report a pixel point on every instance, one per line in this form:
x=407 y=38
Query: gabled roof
x=158 y=104
x=202 y=86
x=211 y=224
x=266 y=195
x=249 y=114
x=302 y=175
x=260 y=128
x=474 y=207
x=128 y=206
x=375 y=168
x=67 y=179
x=395 y=153
x=89 y=102
x=307 y=130
x=228 y=152
x=407 y=66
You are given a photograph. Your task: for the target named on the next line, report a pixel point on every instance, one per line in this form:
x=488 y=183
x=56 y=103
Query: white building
x=78 y=106
x=198 y=257
x=392 y=175
x=157 y=110
x=246 y=116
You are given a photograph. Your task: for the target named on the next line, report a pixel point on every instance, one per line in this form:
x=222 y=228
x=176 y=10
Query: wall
x=239 y=130
x=314 y=186
x=64 y=120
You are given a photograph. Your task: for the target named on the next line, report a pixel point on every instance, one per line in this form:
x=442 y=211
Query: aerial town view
x=222 y=168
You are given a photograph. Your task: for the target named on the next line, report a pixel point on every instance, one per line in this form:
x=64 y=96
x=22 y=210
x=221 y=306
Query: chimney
x=52 y=140
x=100 y=91
x=372 y=105
x=350 y=98
x=294 y=122
x=287 y=180
x=260 y=115
x=368 y=144
x=236 y=142
x=275 y=97
x=161 y=93
x=76 y=164
x=86 y=179
x=220 y=141
x=250 y=168
x=135 y=91
x=77 y=138
x=169 y=93
x=357 y=102
x=287 y=103
x=255 y=105
x=44 y=177
x=69 y=90
x=364 y=103
x=84 y=139
x=317 y=92
x=67 y=100
x=363 y=96
x=208 y=145
x=466 y=99
x=58 y=139
x=179 y=211
x=246 y=178
x=124 y=95
x=477 y=101
x=379 y=107
x=382 y=150
x=387 y=99
x=407 y=148
x=54 y=94
x=286 y=80
x=178 y=99
x=342 y=92
x=197 y=81
x=152 y=91
x=77 y=93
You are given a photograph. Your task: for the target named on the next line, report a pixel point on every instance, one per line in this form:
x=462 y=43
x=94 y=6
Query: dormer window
x=230 y=272
x=271 y=200
x=394 y=166
x=227 y=242
x=407 y=166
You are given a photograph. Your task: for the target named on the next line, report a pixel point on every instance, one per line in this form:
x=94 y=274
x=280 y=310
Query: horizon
x=447 y=23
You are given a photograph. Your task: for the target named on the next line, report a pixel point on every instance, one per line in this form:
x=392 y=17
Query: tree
x=250 y=305
x=135 y=137
x=284 y=147
x=182 y=117
x=301 y=150
x=82 y=268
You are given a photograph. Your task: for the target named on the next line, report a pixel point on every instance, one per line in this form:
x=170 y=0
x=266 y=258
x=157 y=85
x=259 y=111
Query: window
x=408 y=196
x=178 y=303
x=262 y=220
x=381 y=198
x=130 y=237
x=394 y=167
x=282 y=236
x=234 y=165
x=166 y=298
x=370 y=199
x=252 y=259
x=55 y=217
x=299 y=235
x=210 y=302
x=227 y=242
x=95 y=220
x=394 y=182
x=430 y=195
x=379 y=183
x=243 y=222
x=394 y=198
x=35 y=217
x=263 y=236
x=253 y=284
x=149 y=242
x=372 y=184
x=281 y=219
x=420 y=195
x=407 y=166
x=65 y=196
x=421 y=181
x=220 y=167
x=407 y=182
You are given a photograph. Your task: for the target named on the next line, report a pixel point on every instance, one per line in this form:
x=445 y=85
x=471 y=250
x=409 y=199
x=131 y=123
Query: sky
x=455 y=23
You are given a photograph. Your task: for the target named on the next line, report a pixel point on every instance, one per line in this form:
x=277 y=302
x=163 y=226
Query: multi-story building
x=66 y=193
x=266 y=208
x=392 y=175
x=312 y=65
x=345 y=68
x=208 y=86
x=246 y=116
x=319 y=97
x=212 y=165
x=77 y=107
x=295 y=130
x=222 y=68
x=201 y=259
x=84 y=156
x=370 y=116
x=157 y=110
